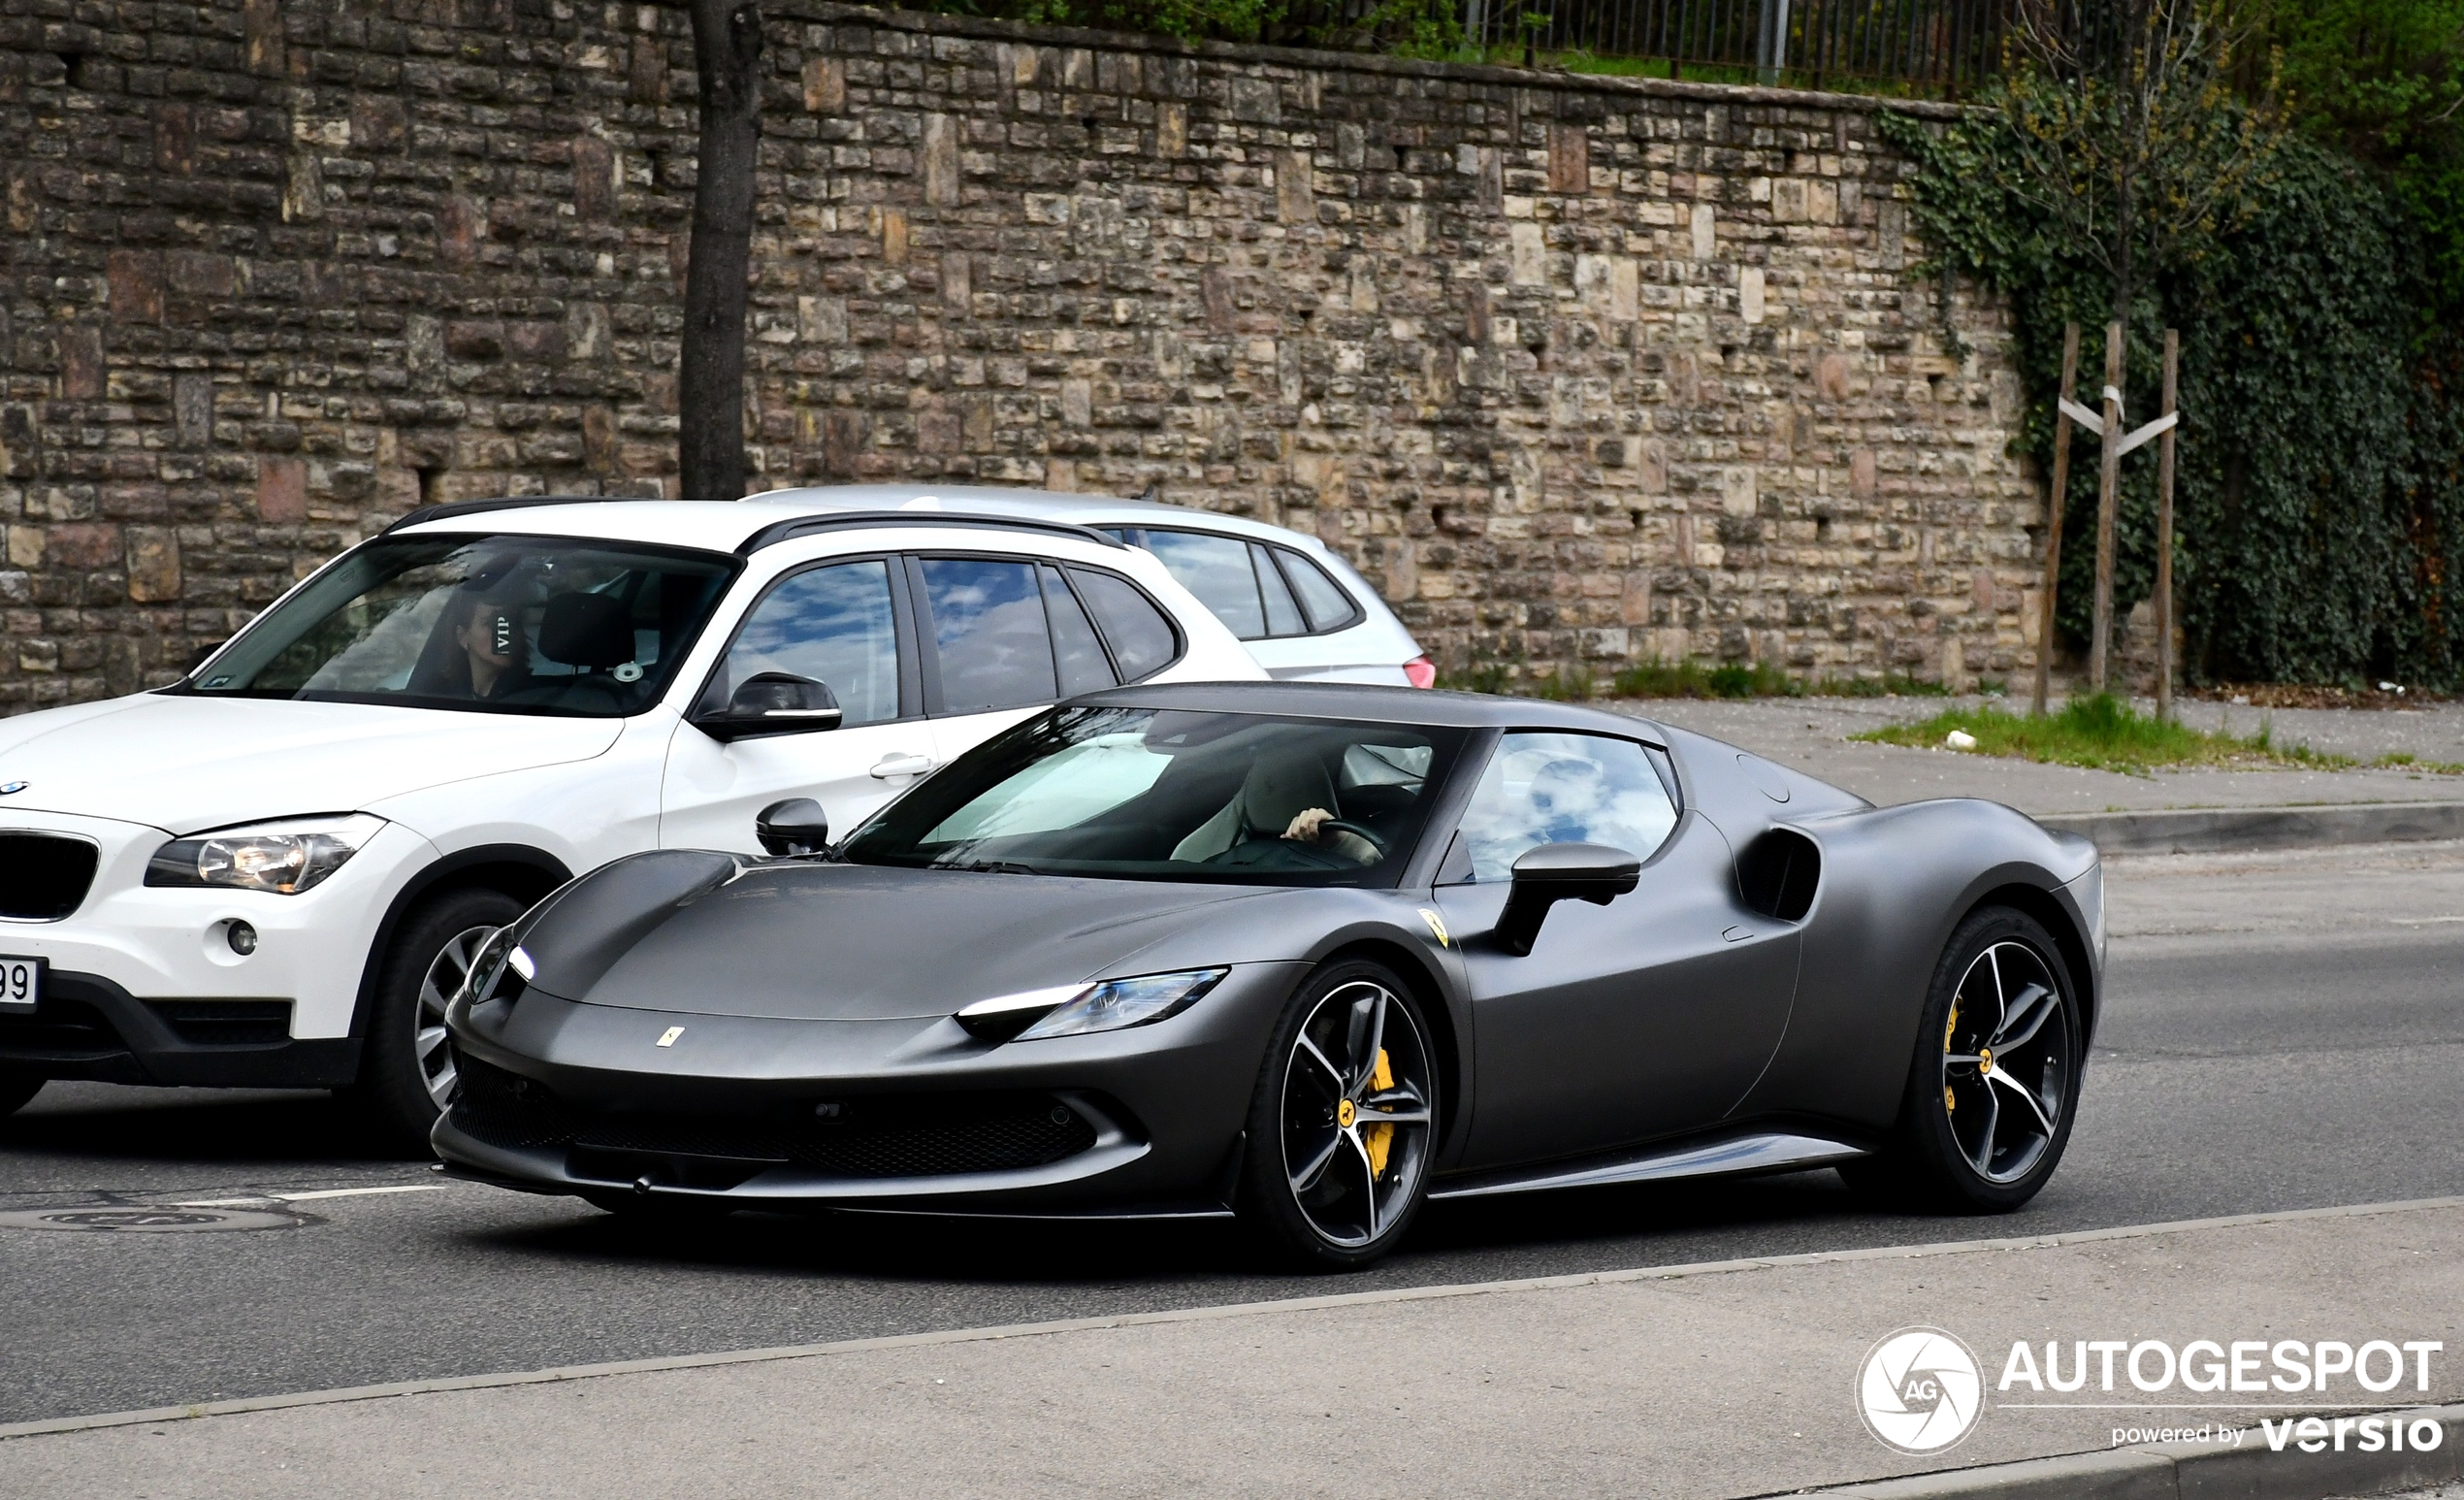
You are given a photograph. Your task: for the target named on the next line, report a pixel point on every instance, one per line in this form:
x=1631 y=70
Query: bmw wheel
x=1341 y=1126
x=1994 y=1084
x=406 y=1074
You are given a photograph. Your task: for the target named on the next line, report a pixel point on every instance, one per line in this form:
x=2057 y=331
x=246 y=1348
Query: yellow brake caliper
x=1380 y=1138
x=1949 y=1026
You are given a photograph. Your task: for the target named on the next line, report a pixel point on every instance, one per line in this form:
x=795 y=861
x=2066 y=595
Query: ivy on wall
x=2321 y=479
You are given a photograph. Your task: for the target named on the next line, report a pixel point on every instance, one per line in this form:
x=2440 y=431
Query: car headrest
x=587 y=630
x=1281 y=787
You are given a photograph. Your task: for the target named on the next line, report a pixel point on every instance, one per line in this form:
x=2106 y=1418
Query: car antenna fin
x=1152 y=494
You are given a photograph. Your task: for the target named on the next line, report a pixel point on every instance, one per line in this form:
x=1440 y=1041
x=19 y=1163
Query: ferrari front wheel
x=1341 y=1126
x=1995 y=1083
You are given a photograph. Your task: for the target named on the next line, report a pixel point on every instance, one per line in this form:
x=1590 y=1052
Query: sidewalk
x=1812 y=735
x=1709 y=1381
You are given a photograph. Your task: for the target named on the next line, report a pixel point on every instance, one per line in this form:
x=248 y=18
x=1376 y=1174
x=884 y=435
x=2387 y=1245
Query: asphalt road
x=2283 y=1032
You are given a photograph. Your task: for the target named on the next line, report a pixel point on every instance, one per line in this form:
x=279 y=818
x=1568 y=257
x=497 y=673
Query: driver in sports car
x=1283 y=799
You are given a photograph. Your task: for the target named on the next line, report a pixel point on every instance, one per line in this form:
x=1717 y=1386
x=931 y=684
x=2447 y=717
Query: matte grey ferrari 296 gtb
x=1309 y=954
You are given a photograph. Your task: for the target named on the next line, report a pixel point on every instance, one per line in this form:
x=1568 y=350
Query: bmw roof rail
x=455 y=509
x=851 y=520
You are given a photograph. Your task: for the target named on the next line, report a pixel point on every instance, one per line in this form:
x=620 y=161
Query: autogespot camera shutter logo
x=1920 y=1391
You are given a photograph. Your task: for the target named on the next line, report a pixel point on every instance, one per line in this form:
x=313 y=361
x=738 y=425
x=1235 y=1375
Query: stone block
x=154 y=564
x=282 y=491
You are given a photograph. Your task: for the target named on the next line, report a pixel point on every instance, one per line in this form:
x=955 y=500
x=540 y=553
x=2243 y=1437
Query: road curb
x=1281 y=1306
x=2192 y=1471
x=2225 y=829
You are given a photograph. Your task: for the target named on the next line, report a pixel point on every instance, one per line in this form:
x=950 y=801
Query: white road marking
x=304 y=1197
x=581 y=1372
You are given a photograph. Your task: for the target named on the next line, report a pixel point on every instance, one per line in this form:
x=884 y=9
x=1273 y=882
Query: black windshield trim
x=454 y=511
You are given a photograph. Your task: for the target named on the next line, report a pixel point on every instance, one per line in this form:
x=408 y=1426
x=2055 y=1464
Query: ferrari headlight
x=285 y=858
x=1115 y=1003
x=500 y=970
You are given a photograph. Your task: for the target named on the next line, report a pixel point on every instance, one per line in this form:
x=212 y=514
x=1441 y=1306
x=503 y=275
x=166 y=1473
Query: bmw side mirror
x=772 y=703
x=793 y=827
x=1549 y=874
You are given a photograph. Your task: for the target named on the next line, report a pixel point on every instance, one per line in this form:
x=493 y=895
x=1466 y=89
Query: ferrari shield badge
x=668 y=1038
x=1437 y=926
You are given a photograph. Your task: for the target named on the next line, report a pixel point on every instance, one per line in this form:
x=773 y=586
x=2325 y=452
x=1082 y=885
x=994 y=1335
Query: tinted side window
x=1329 y=607
x=832 y=625
x=1075 y=644
x=1564 y=789
x=1282 y=611
x=1139 y=632
x=988 y=626
x=1217 y=569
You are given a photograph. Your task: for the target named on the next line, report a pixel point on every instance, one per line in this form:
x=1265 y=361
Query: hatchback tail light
x=1420 y=672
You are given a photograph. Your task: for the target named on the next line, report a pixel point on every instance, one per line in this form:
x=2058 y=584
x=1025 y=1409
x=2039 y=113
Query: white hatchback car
x=274 y=872
x=1300 y=608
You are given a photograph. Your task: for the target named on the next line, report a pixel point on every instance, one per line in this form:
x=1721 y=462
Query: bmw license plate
x=20 y=983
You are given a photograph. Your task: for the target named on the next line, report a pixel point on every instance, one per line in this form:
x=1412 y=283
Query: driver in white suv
x=274 y=872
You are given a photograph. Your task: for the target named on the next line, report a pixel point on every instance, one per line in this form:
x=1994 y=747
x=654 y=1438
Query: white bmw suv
x=1302 y=610
x=274 y=872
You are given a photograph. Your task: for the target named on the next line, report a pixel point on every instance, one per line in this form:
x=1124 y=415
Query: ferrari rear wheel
x=1995 y=1083
x=1342 y=1123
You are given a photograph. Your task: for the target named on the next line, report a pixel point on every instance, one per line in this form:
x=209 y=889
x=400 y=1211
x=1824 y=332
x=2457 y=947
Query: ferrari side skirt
x=1762 y=1152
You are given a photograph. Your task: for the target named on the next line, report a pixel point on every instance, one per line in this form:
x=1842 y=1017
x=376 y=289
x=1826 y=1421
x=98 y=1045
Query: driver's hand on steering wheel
x=1305 y=825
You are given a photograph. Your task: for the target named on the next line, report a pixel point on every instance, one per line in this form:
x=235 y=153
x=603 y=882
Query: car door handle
x=889 y=765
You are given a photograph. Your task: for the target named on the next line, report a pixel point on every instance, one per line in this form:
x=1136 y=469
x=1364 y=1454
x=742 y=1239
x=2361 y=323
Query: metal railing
x=1938 y=46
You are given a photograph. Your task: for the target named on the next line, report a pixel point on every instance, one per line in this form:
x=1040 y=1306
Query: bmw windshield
x=505 y=623
x=1150 y=794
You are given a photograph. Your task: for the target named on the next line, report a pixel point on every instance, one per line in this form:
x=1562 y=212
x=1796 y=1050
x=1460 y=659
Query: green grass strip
x=2103 y=733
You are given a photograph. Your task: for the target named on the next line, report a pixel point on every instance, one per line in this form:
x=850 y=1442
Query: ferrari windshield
x=503 y=623
x=1173 y=795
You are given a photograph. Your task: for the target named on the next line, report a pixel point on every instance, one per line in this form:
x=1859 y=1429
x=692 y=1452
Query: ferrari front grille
x=935 y=1135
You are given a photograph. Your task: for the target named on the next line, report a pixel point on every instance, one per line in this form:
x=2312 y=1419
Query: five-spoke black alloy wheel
x=1996 y=1078
x=1344 y=1123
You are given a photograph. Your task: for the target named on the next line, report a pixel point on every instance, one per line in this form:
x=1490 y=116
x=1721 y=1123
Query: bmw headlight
x=287 y=858
x=1076 y=1010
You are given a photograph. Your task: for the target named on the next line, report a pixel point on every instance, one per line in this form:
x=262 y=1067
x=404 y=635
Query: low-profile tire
x=405 y=1071
x=1994 y=1087
x=17 y=1089
x=1341 y=1127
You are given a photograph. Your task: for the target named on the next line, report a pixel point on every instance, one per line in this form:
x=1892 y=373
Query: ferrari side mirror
x=772 y=703
x=793 y=827
x=1548 y=873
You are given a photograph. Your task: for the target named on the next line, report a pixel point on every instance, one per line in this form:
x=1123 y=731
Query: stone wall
x=1582 y=370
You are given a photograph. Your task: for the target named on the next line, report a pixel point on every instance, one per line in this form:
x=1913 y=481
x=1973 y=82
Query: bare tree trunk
x=726 y=52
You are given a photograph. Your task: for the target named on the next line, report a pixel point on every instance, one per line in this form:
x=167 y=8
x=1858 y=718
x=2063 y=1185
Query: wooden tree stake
x=2108 y=486
x=2053 y=517
x=2164 y=534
